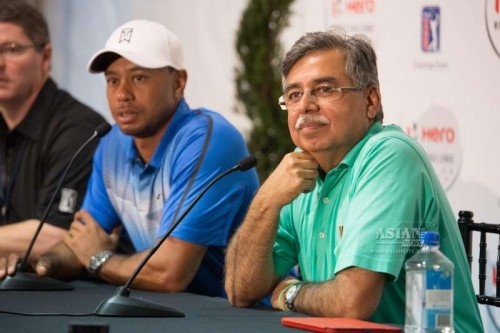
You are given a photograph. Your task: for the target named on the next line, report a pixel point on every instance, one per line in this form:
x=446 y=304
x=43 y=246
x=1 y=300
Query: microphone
x=23 y=280
x=120 y=305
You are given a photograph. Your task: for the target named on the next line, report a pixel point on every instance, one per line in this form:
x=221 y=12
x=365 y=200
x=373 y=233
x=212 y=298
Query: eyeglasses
x=293 y=97
x=13 y=49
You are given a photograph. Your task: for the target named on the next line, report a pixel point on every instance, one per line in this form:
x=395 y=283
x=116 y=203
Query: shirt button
x=326 y=200
x=322 y=235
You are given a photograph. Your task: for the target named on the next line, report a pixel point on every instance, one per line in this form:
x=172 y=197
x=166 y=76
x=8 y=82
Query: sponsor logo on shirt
x=68 y=200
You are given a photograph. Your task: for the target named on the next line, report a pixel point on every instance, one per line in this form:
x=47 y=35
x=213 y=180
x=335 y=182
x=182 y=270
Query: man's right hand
x=60 y=263
x=296 y=174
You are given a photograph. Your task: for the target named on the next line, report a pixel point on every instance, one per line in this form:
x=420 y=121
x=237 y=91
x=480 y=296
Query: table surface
x=54 y=311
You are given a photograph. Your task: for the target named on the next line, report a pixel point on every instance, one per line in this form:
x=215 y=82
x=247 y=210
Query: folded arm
x=249 y=263
x=171 y=268
x=353 y=293
x=249 y=260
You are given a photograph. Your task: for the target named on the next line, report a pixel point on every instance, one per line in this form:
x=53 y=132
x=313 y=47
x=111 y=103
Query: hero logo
x=492 y=18
x=437 y=132
x=433 y=134
x=353 y=7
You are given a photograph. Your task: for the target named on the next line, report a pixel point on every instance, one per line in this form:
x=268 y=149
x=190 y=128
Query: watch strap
x=289 y=301
x=97 y=261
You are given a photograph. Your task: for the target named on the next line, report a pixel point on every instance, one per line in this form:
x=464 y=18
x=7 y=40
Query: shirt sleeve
x=387 y=207
x=212 y=219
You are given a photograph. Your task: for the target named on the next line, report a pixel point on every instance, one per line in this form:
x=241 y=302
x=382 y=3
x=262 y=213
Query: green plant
x=258 y=80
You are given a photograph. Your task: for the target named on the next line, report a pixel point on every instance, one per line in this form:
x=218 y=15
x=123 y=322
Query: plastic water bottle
x=429 y=288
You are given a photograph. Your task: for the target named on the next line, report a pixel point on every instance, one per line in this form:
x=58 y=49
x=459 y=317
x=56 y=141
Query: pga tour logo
x=68 y=201
x=431 y=29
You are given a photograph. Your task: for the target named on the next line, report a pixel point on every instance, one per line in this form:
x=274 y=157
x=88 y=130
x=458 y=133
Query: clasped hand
x=84 y=239
x=296 y=174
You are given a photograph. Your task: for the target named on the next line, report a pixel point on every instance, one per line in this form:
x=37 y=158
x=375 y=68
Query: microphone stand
x=120 y=304
x=23 y=280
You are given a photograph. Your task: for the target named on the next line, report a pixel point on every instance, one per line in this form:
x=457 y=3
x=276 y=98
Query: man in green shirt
x=349 y=204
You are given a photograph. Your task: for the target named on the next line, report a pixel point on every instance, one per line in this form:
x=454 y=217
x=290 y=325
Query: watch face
x=94 y=263
x=97 y=260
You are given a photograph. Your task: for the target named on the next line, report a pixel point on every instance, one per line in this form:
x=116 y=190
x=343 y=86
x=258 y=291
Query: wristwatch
x=291 y=294
x=97 y=260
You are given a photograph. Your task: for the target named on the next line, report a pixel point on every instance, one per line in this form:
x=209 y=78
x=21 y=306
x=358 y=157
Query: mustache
x=311 y=118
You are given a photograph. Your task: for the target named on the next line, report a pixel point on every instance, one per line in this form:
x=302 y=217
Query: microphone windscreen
x=103 y=129
x=247 y=163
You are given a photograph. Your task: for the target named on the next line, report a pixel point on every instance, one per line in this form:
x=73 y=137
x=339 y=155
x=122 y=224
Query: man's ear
x=180 y=83
x=47 y=57
x=373 y=102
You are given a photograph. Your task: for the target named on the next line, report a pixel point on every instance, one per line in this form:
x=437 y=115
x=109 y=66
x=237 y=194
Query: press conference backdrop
x=439 y=66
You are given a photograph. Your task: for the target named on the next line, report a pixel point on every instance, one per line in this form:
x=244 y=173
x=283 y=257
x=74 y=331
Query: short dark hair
x=28 y=18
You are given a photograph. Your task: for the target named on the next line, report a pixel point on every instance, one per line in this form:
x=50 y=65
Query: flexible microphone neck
x=243 y=165
x=99 y=132
x=120 y=304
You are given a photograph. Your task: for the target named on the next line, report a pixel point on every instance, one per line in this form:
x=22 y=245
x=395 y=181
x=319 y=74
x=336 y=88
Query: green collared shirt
x=368 y=212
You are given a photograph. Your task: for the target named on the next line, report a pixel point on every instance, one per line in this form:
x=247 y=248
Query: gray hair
x=360 y=57
x=28 y=18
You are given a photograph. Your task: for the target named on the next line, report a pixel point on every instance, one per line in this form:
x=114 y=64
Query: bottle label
x=438 y=300
x=429 y=300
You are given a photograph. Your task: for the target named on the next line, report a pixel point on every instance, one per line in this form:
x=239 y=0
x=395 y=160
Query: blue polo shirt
x=197 y=146
x=368 y=212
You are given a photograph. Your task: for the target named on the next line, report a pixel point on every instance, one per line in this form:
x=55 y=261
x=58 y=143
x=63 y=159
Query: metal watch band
x=97 y=260
x=291 y=295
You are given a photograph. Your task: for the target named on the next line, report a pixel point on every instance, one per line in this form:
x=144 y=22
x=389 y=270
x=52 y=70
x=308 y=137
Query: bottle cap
x=430 y=238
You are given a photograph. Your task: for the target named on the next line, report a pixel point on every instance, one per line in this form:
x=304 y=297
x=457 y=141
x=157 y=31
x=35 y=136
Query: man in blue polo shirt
x=156 y=159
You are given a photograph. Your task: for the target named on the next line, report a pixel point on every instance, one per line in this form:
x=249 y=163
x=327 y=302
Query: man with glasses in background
x=41 y=127
x=331 y=206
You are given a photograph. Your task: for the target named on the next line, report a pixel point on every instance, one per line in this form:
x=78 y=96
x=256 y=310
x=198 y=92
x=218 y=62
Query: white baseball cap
x=145 y=43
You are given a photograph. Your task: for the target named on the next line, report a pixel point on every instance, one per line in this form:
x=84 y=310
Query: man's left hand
x=86 y=237
x=278 y=296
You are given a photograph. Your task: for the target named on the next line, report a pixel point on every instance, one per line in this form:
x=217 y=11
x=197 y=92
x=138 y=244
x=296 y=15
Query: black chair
x=467 y=226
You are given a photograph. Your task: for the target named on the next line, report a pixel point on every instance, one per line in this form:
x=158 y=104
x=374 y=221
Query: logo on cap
x=126 y=35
